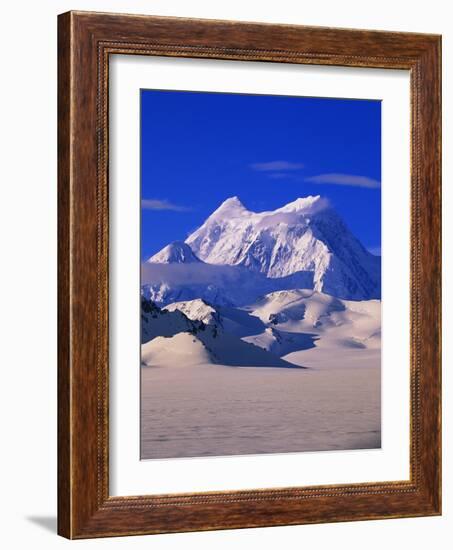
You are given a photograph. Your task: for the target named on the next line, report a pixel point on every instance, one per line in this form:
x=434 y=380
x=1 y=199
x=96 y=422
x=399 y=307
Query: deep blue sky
x=197 y=149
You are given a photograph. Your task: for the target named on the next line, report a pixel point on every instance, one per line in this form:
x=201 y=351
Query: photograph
x=260 y=284
x=226 y=258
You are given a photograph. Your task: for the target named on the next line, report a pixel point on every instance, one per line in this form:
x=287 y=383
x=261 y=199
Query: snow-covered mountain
x=276 y=330
x=170 y=337
x=177 y=252
x=336 y=323
x=306 y=235
x=156 y=322
x=197 y=310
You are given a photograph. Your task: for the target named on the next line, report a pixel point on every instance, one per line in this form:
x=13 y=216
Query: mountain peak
x=176 y=252
x=309 y=205
x=233 y=201
x=231 y=207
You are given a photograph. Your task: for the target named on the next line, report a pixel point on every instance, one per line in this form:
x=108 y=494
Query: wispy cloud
x=345 y=179
x=277 y=166
x=158 y=204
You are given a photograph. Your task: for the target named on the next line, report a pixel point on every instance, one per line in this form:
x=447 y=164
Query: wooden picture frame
x=85 y=42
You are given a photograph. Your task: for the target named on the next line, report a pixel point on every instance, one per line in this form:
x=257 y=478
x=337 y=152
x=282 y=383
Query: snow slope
x=208 y=347
x=180 y=350
x=162 y=340
x=336 y=323
x=282 y=342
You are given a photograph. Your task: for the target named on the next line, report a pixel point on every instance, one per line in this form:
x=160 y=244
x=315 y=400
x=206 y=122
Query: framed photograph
x=249 y=275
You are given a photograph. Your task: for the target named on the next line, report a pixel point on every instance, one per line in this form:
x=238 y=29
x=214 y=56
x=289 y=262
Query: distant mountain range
x=237 y=255
x=258 y=289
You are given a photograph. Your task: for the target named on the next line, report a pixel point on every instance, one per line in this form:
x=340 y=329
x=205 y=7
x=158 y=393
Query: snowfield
x=261 y=333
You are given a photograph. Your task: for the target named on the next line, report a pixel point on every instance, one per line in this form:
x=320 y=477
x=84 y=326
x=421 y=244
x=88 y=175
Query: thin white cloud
x=158 y=204
x=345 y=179
x=277 y=166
